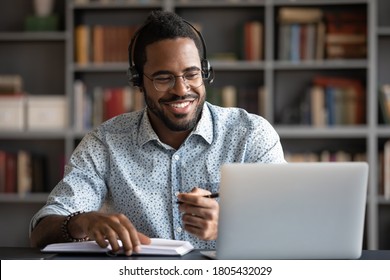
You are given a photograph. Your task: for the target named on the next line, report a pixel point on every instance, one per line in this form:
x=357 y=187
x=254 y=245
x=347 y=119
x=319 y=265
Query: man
x=140 y=164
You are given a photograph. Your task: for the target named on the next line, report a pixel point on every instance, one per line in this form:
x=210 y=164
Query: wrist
x=66 y=228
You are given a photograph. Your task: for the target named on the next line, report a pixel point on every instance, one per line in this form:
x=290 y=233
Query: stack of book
x=346 y=35
x=301 y=34
x=334 y=101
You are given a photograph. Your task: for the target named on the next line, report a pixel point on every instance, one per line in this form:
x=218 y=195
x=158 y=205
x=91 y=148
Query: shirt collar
x=204 y=128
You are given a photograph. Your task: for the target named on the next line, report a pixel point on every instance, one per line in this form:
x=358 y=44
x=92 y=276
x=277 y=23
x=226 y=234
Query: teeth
x=180 y=105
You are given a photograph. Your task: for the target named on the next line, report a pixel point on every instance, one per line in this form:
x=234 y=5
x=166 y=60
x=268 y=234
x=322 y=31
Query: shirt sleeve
x=264 y=143
x=83 y=185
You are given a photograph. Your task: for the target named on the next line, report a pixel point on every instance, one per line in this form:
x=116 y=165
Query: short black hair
x=160 y=25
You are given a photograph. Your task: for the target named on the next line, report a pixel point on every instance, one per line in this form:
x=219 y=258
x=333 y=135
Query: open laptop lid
x=292 y=211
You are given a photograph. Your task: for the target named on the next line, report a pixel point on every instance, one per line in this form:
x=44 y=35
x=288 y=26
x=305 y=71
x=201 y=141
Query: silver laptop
x=292 y=211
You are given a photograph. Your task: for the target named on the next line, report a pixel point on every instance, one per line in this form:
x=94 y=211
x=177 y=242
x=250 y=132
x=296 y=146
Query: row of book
x=96 y=105
x=329 y=101
x=117 y=1
x=22 y=172
x=312 y=34
x=325 y=156
x=104 y=44
x=101 y=43
x=252 y=99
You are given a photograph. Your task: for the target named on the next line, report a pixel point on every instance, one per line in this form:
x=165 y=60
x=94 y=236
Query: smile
x=180 y=105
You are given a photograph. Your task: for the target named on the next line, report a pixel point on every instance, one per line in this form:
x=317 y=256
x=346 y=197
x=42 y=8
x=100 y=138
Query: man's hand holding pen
x=200 y=213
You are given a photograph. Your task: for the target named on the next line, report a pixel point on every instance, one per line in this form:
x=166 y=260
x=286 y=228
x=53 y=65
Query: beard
x=178 y=123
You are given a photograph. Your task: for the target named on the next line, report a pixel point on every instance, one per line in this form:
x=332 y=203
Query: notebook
x=158 y=246
x=292 y=211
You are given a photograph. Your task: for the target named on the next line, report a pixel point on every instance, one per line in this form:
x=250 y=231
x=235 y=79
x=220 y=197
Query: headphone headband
x=135 y=78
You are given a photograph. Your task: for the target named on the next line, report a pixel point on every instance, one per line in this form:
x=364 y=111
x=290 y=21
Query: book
x=82 y=44
x=386 y=169
x=299 y=15
x=355 y=93
x=158 y=246
x=229 y=96
x=384 y=103
x=317 y=106
x=346 y=35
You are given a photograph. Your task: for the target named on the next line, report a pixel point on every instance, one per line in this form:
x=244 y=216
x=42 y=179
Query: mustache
x=174 y=98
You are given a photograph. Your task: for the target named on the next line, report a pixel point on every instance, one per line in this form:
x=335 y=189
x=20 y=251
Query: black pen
x=212 y=195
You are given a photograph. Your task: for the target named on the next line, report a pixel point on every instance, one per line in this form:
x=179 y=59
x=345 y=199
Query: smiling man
x=139 y=164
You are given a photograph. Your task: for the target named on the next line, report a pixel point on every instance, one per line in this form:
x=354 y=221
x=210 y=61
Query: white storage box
x=12 y=113
x=47 y=113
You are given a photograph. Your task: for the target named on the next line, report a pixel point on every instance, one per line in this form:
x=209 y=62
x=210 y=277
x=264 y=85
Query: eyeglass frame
x=171 y=86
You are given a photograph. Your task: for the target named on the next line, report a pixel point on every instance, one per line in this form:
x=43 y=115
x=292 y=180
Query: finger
x=205 y=230
x=192 y=195
x=100 y=240
x=144 y=239
x=129 y=237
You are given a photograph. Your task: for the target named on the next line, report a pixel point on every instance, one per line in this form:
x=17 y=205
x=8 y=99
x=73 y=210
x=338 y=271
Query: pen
x=213 y=195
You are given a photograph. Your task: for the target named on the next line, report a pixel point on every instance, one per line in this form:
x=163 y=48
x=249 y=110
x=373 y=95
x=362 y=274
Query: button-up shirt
x=123 y=166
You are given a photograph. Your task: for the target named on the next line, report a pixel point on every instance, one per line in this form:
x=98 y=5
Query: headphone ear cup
x=207 y=71
x=134 y=78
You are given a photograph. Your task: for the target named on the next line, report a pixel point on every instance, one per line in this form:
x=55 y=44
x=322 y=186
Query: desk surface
x=25 y=253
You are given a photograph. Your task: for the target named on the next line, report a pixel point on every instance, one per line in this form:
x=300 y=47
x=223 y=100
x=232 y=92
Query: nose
x=181 y=86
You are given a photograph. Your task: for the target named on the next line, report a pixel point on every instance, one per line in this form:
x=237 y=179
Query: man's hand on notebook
x=107 y=229
x=200 y=213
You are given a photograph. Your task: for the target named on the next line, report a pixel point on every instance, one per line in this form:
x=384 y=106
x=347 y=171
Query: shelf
x=103 y=67
x=60 y=134
x=321 y=64
x=383 y=31
x=316 y=2
x=383 y=131
x=237 y=65
x=225 y=4
x=26 y=198
x=292 y=131
x=383 y=201
x=33 y=36
x=116 y=5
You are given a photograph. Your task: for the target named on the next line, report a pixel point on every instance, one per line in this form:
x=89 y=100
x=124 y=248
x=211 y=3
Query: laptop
x=292 y=211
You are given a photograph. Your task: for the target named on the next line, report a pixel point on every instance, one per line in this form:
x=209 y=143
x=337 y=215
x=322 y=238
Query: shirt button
x=176 y=157
x=177 y=193
x=179 y=229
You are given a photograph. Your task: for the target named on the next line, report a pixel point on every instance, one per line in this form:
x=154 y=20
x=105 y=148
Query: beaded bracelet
x=65 y=230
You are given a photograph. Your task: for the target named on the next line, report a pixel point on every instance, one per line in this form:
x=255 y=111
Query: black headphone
x=134 y=76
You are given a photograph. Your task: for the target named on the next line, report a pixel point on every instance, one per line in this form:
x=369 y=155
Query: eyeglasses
x=164 y=82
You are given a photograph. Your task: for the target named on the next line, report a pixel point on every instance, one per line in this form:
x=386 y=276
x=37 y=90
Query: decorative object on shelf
x=43 y=19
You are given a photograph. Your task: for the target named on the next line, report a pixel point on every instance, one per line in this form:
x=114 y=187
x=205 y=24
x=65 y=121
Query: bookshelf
x=285 y=81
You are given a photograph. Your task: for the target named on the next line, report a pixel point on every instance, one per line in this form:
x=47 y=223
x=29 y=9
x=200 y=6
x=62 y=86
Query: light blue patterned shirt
x=125 y=166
